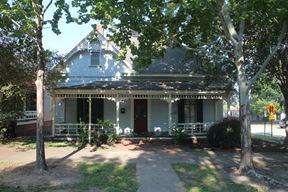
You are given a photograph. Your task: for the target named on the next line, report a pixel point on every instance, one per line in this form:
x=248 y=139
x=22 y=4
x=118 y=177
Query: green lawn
x=106 y=177
x=30 y=143
x=276 y=139
x=202 y=178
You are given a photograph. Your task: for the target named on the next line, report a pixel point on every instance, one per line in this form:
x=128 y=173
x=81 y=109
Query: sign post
x=271 y=109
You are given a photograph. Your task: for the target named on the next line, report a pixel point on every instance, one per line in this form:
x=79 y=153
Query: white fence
x=194 y=129
x=28 y=115
x=72 y=129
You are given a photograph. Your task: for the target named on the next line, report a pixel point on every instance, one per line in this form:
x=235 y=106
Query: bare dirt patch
x=25 y=176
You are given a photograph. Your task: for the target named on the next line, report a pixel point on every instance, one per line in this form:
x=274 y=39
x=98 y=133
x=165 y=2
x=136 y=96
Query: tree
x=278 y=69
x=25 y=18
x=265 y=90
x=193 y=25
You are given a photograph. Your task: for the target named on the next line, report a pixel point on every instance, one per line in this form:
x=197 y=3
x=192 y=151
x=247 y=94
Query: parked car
x=283 y=123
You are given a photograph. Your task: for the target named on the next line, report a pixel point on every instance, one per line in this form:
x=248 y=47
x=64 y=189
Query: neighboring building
x=156 y=99
x=26 y=123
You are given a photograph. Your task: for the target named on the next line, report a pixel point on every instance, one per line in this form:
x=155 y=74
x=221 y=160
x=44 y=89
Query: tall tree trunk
x=40 y=149
x=286 y=112
x=246 y=163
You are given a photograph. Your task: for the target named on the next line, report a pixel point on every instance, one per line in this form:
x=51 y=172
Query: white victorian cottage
x=156 y=99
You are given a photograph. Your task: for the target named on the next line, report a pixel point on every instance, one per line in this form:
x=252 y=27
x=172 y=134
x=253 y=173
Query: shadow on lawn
x=64 y=171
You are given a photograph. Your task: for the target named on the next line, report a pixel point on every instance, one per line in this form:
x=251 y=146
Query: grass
x=276 y=139
x=4 y=188
x=30 y=143
x=198 y=178
x=107 y=177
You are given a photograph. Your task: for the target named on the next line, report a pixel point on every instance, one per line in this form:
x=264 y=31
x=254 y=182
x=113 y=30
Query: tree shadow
x=63 y=169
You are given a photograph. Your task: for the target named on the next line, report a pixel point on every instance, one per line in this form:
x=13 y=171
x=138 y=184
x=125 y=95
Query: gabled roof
x=175 y=61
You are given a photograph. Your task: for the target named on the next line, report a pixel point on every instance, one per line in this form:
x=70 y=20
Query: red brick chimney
x=100 y=28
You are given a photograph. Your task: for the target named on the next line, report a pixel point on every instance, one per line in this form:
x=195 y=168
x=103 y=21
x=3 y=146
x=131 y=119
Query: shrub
x=106 y=135
x=83 y=133
x=179 y=136
x=225 y=134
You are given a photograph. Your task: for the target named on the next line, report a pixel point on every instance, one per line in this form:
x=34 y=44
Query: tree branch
x=227 y=25
x=48 y=5
x=272 y=53
x=241 y=32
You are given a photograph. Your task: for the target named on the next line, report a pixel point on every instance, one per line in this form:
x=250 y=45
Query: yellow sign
x=271 y=109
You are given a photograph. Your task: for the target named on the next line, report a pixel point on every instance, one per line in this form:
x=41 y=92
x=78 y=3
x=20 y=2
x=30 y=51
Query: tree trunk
x=40 y=149
x=246 y=163
x=286 y=112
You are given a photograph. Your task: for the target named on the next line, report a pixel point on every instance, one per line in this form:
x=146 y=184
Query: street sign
x=271 y=109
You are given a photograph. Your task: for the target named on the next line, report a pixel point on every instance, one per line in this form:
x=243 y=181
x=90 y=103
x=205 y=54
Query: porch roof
x=142 y=89
x=145 y=86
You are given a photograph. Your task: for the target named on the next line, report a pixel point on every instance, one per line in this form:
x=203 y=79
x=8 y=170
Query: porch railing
x=194 y=129
x=72 y=129
x=28 y=115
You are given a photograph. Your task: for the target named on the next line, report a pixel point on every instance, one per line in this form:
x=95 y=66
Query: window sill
x=93 y=66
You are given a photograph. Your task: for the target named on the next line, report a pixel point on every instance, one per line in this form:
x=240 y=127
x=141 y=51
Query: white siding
x=158 y=115
x=110 y=111
x=60 y=111
x=79 y=69
x=219 y=109
x=125 y=118
x=71 y=110
x=208 y=110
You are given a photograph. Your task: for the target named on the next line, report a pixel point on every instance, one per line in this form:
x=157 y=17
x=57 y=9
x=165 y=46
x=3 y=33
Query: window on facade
x=190 y=111
x=95 y=58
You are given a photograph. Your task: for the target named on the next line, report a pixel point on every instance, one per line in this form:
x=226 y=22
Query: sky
x=71 y=34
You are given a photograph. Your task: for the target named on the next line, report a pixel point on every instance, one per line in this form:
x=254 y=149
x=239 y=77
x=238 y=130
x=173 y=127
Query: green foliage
x=179 y=136
x=83 y=133
x=103 y=134
x=205 y=177
x=225 y=134
x=265 y=90
x=4 y=188
x=106 y=135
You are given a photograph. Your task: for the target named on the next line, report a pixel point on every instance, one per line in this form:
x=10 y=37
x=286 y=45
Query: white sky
x=71 y=34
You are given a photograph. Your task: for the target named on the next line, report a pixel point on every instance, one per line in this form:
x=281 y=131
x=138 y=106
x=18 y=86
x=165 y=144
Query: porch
x=137 y=108
x=192 y=129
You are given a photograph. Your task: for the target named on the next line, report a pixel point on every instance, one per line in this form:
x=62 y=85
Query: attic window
x=95 y=58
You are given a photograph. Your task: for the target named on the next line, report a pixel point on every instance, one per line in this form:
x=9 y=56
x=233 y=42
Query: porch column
x=117 y=115
x=215 y=110
x=170 y=114
x=53 y=115
x=90 y=119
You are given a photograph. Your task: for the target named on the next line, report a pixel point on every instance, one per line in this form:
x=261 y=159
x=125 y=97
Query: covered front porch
x=135 y=113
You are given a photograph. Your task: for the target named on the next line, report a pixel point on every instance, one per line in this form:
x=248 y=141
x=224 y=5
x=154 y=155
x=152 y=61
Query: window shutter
x=181 y=111
x=199 y=110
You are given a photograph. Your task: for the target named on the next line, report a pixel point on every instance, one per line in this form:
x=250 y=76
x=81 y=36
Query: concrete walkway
x=153 y=162
x=158 y=177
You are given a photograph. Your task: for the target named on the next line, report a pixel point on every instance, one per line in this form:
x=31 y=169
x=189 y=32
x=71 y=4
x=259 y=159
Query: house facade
x=154 y=100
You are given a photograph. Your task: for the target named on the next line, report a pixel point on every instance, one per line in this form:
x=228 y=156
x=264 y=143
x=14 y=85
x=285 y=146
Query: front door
x=140 y=115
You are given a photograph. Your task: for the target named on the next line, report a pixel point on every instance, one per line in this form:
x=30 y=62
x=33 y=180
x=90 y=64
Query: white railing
x=28 y=115
x=194 y=129
x=72 y=129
